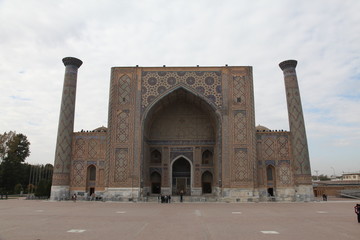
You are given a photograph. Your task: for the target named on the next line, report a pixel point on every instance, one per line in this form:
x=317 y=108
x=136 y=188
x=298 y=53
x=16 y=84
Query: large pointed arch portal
x=181 y=126
x=181 y=176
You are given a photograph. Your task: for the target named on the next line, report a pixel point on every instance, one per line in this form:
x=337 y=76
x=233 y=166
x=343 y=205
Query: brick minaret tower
x=301 y=162
x=62 y=163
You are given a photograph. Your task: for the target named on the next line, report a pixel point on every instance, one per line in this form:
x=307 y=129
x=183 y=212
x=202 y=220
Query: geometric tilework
x=205 y=83
x=93 y=148
x=79 y=150
x=121 y=165
x=78 y=173
x=124 y=90
x=296 y=120
x=268 y=148
x=240 y=127
x=283 y=147
x=239 y=95
x=122 y=127
x=285 y=174
x=240 y=171
x=66 y=126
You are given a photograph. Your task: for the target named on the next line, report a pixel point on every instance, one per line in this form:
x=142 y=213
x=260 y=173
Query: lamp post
x=333 y=171
x=317 y=174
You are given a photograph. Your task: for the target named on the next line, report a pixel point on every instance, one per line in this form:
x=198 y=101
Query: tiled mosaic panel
x=79 y=174
x=124 y=90
x=79 y=151
x=240 y=130
x=300 y=151
x=285 y=174
x=239 y=91
x=122 y=127
x=206 y=83
x=240 y=167
x=283 y=147
x=121 y=170
x=93 y=148
x=66 y=123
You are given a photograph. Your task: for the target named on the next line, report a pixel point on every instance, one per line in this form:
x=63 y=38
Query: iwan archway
x=177 y=130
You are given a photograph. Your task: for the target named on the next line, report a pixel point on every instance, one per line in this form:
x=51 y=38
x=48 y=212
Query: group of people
x=164 y=198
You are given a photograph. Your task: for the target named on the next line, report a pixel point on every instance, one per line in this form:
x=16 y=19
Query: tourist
x=181 y=195
x=74 y=197
x=357 y=211
x=324 y=197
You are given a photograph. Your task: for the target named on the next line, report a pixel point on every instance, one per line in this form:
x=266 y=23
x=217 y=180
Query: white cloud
x=321 y=35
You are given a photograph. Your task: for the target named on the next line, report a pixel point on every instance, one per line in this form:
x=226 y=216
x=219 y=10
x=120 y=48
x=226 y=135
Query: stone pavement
x=44 y=220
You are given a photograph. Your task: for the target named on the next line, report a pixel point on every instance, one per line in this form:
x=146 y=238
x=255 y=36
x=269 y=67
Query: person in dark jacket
x=357 y=211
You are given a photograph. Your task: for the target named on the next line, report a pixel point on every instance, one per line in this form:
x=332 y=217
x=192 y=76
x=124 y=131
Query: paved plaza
x=45 y=220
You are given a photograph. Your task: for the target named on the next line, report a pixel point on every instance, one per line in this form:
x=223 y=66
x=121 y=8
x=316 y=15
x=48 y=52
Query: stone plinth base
x=280 y=194
x=196 y=191
x=59 y=193
x=239 y=195
x=121 y=194
x=304 y=193
x=166 y=191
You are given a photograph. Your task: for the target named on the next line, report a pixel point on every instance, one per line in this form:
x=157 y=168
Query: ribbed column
x=62 y=163
x=301 y=163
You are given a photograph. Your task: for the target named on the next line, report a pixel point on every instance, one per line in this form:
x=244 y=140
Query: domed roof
x=100 y=129
x=261 y=128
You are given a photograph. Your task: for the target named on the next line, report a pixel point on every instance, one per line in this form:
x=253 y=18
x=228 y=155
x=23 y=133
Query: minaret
x=61 y=176
x=301 y=162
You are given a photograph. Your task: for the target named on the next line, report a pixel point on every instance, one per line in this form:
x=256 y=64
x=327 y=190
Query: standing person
x=169 y=198
x=357 y=211
x=74 y=197
x=181 y=195
x=324 y=197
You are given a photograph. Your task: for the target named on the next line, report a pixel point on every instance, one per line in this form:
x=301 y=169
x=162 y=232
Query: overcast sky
x=323 y=36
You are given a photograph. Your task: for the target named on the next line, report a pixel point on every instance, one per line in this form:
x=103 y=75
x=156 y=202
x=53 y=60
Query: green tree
x=18 y=188
x=12 y=170
x=4 y=139
x=41 y=190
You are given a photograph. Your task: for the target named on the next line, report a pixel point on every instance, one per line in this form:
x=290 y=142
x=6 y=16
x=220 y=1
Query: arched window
x=155 y=157
x=270 y=172
x=92 y=173
x=206 y=182
x=207 y=157
x=155 y=179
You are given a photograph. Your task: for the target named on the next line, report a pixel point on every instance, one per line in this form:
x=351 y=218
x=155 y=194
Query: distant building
x=348 y=185
x=187 y=130
x=351 y=177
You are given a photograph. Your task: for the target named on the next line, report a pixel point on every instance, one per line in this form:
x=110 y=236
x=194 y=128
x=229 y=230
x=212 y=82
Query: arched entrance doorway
x=155 y=179
x=91 y=179
x=206 y=182
x=271 y=180
x=181 y=177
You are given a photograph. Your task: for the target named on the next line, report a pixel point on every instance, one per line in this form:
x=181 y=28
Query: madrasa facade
x=182 y=131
